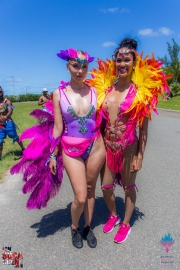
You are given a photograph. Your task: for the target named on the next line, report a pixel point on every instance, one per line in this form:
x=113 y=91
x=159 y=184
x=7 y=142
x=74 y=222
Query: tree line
x=20 y=98
x=172 y=66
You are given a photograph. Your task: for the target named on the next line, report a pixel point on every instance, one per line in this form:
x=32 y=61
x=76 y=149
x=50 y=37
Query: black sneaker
x=76 y=238
x=90 y=237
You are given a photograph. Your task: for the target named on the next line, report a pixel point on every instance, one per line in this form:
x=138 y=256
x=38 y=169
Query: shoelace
x=122 y=229
x=77 y=235
x=111 y=219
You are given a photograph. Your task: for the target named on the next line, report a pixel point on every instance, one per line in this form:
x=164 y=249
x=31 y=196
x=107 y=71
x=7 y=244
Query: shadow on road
x=16 y=153
x=101 y=212
x=61 y=219
x=53 y=222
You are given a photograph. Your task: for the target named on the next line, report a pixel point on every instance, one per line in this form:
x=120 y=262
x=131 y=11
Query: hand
x=53 y=166
x=2 y=118
x=136 y=164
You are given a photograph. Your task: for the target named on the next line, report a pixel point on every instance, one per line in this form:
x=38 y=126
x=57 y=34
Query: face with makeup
x=125 y=63
x=78 y=68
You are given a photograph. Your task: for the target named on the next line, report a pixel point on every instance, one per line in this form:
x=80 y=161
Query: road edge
x=168 y=110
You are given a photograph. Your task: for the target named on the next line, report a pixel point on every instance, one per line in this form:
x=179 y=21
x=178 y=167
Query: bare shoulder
x=56 y=95
x=8 y=102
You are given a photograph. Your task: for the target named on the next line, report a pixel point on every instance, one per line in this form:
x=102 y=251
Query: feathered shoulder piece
x=102 y=78
x=148 y=77
x=150 y=82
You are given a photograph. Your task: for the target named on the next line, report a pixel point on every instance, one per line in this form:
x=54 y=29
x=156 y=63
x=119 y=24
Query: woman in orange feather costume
x=128 y=89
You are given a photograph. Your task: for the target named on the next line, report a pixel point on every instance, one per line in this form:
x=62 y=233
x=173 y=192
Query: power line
x=31 y=87
x=13 y=85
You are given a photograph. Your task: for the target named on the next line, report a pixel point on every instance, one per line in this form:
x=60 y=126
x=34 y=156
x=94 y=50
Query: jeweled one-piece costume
x=77 y=139
x=115 y=148
x=79 y=131
x=148 y=81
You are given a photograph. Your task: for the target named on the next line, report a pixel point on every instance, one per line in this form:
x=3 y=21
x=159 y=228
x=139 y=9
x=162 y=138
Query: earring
x=117 y=78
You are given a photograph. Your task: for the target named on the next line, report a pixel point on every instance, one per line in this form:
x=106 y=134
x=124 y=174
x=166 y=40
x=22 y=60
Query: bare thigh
x=129 y=154
x=107 y=176
x=95 y=161
x=76 y=172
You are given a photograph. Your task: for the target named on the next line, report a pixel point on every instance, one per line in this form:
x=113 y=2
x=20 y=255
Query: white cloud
x=51 y=83
x=115 y=9
x=150 y=32
x=125 y=10
x=11 y=79
x=112 y=10
x=108 y=44
x=19 y=80
x=147 y=32
x=165 y=31
x=103 y=10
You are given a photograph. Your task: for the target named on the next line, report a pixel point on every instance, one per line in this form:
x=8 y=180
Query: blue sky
x=33 y=31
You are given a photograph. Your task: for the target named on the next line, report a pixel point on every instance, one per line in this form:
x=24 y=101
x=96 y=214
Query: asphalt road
x=43 y=236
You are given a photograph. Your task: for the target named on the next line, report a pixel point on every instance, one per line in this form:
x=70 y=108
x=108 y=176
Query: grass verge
x=170 y=104
x=22 y=119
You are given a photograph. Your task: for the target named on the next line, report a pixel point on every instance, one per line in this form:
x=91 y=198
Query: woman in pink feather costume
x=66 y=136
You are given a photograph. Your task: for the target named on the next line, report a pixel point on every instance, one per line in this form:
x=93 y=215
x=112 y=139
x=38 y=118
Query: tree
x=172 y=65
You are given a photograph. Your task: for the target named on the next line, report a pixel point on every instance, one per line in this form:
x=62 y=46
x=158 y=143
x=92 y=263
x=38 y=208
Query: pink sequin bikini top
x=124 y=105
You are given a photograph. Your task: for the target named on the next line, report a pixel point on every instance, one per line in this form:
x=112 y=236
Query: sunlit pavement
x=43 y=236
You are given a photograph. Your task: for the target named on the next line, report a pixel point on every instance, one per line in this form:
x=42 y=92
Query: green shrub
x=32 y=97
x=175 y=89
x=12 y=98
x=20 y=98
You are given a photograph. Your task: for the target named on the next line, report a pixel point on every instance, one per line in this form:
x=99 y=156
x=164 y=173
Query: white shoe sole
x=117 y=223
x=124 y=239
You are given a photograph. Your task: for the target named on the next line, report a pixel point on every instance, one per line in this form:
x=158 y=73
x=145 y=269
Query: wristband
x=52 y=156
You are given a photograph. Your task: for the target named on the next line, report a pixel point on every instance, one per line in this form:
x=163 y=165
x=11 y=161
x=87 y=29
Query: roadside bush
x=32 y=97
x=12 y=98
x=175 y=89
x=20 y=98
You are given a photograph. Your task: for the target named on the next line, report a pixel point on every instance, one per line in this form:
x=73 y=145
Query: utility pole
x=13 y=85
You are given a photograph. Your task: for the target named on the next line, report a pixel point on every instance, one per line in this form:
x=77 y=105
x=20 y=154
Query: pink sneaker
x=122 y=234
x=112 y=222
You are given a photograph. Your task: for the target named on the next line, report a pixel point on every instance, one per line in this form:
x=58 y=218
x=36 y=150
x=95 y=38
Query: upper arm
x=40 y=100
x=144 y=126
x=58 y=121
x=9 y=103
